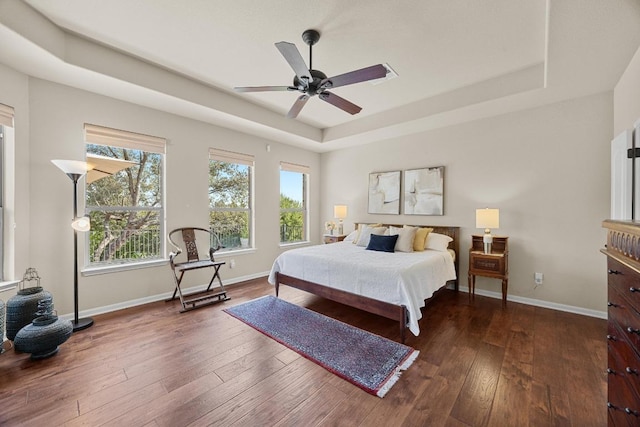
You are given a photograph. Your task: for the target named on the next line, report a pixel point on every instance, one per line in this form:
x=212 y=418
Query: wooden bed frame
x=381 y=308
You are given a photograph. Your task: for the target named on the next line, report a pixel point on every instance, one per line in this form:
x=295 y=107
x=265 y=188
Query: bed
x=392 y=285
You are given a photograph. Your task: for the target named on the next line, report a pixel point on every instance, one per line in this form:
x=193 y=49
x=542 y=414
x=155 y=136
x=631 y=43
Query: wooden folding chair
x=194 y=262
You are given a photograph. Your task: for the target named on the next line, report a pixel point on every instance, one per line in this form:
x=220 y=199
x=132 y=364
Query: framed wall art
x=424 y=191
x=384 y=193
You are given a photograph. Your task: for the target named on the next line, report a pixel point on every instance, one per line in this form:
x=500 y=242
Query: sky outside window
x=291 y=185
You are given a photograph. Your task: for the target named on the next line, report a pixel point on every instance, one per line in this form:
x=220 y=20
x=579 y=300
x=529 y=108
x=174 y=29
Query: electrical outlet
x=232 y=263
x=538 y=278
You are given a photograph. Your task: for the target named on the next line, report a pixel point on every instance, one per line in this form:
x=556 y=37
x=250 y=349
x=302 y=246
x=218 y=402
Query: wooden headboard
x=453 y=232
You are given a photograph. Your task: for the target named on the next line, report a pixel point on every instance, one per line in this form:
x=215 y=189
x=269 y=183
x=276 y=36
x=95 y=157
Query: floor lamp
x=75 y=170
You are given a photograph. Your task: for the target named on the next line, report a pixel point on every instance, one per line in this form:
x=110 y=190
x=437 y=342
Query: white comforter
x=403 y=278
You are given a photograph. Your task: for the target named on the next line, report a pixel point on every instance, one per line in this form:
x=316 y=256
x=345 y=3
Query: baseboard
x=541 y=303
x=153 y=298
x=231 y=282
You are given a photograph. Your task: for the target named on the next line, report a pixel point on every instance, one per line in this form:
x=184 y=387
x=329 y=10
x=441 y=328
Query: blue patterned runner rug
x=369 y=361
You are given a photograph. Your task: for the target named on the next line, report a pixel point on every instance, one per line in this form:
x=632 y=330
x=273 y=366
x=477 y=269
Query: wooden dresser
x=623 y=336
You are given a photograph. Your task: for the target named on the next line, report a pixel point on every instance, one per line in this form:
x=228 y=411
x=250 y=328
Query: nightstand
x=494 y=265
x=333 y=238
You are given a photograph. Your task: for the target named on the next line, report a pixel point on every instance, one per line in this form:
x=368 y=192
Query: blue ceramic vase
x=42 y=337
x=20 y=309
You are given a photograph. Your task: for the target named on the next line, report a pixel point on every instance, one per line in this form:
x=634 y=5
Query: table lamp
x=340 y=213
x=487 y=219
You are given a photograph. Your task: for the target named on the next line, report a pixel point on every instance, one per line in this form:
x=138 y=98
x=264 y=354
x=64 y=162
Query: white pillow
x=351 y=236
x=365 y=234
x=405 y=237
x=361 y=227
x=438 y=242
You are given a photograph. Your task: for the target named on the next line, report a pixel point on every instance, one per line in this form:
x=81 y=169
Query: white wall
x=546 y=169
x=626 y=97
x=56 y=118
x=14 y=90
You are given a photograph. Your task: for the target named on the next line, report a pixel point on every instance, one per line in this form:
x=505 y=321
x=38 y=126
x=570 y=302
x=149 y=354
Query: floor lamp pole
x=78 y=324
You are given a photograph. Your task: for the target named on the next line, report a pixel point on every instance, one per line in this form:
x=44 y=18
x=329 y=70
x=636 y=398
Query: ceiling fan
x=314 y=82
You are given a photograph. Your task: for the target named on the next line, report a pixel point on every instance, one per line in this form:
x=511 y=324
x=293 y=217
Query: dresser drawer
x=625 y=281
x=622 y=359
x=487 y=263
x=628 y=321
x=622 y=402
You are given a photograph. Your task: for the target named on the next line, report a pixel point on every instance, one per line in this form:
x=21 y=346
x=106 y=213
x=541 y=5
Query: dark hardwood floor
x=479 y=365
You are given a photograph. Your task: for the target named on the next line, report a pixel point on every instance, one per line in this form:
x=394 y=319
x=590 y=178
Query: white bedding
x=402 y=278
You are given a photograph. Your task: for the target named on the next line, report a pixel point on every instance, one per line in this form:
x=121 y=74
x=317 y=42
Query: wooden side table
x=494 y=265
x=333 y=238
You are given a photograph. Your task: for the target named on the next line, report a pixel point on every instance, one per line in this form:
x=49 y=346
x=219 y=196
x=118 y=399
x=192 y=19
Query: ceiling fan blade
x=357 y=76
x=293 y=57
x=339 y=102
x=263 y=88
x=297 y=106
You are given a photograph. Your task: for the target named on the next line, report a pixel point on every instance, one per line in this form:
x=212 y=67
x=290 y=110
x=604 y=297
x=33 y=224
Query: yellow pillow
x=421 y=238
x=360 y=227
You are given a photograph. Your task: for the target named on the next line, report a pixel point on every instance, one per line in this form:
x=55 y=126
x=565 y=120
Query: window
x=293 y=202
x=231 y=198
x=1 y=204
x=124 y=197
x=6 y=182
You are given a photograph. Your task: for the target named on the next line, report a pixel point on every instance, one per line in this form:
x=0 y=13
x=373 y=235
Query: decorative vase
x=21 y=308
x=43 y=336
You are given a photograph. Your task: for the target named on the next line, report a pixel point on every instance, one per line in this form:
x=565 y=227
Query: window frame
x=242 y=159
x=305 y=172
x=109 y=137
x=2 y=180
x=7 y=196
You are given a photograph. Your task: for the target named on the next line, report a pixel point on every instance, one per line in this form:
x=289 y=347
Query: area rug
x=369 y=361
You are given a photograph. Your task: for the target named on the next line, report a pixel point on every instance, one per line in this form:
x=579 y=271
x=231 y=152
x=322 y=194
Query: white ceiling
x=457 y=60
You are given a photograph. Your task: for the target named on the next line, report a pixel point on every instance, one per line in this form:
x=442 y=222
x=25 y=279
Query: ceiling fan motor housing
x=314 y=86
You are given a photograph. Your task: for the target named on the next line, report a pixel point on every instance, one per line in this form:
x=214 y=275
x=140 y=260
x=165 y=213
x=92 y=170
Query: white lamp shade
x=101 y=166
x=340 y=211
x=487 y=218
x=81 y=224
x=76 y=167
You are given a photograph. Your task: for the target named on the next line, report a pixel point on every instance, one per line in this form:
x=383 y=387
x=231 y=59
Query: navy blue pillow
x=382 y=243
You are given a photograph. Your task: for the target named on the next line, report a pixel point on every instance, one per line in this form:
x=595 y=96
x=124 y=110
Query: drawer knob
x=612 y=304
x=610 y=371
x=632 y=289
x=611 y=405
x=612 y=338
x=614 y=271
x=631 y=370
x=633 y=330
x=631 y=411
